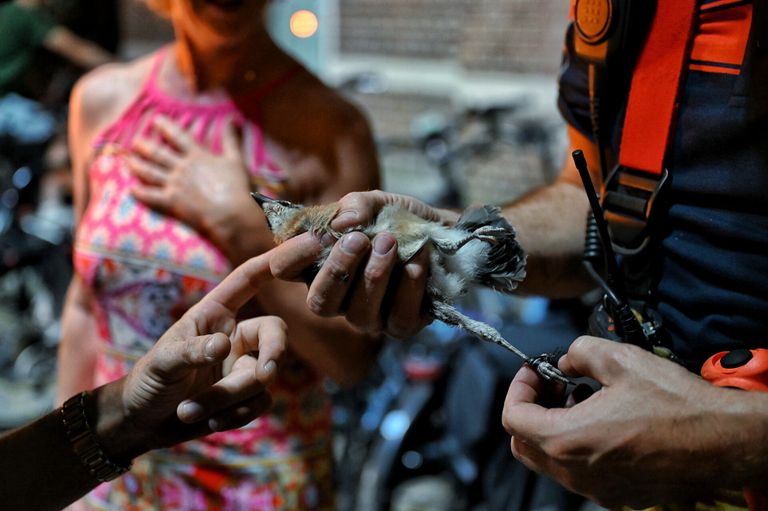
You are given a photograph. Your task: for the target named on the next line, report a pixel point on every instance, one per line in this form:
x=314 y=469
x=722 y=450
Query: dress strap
x=157 y=62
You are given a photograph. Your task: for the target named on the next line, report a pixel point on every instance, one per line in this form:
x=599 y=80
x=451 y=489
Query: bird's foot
x=488 y=233
x=544 y=364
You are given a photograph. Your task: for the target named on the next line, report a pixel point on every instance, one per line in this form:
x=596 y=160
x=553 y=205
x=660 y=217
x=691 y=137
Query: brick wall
x=508 y=38
x=483 y=35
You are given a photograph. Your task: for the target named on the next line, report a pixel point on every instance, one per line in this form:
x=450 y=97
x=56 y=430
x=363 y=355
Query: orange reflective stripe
x=721 y=38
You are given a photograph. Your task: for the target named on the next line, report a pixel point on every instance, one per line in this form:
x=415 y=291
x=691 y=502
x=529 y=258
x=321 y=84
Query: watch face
x=593 y=19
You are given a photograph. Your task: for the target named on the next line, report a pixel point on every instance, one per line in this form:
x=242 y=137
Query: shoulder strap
x=654 y=89
x=632 y=188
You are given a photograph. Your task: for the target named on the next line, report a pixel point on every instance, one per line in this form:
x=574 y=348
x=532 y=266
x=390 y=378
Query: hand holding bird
x=479 y=249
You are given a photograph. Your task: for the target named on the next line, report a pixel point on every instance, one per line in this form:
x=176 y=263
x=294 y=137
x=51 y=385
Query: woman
x=165 y=150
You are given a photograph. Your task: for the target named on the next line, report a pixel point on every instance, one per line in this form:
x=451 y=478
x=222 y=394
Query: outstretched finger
x=242 y=284
x=293 y=258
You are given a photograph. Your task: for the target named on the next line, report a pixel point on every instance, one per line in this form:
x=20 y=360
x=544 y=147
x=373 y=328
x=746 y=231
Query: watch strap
x=84 y=442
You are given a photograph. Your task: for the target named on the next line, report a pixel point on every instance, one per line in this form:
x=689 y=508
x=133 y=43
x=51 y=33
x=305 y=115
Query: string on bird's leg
x=541 y=364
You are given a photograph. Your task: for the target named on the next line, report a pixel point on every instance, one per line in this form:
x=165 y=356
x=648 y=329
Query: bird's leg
x=488 y=233
x=449 y=315
x=484 y=233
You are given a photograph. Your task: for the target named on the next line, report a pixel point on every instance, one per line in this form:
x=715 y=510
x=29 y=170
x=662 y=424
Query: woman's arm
x=96 y=101
x=331 y=345
x=327 y=150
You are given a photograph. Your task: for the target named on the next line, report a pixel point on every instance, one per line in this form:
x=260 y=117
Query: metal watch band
x=84 y=442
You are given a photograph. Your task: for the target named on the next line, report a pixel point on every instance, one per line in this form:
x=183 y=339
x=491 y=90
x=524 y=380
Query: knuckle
x=583 y=343
x=318 y=304
x=375 y=274
x=336 y=270
x=351 y=199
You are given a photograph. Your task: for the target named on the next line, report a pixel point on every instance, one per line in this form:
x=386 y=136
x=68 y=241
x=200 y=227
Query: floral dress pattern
x=146 y=270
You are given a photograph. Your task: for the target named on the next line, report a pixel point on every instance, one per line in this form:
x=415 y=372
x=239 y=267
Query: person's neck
x=231 y=67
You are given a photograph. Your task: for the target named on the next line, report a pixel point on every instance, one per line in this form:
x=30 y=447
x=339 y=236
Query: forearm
x=41 y=470
x=550 y=225
x=243 y=236
x=78 y=346
x=739 y=440
x=79 y=51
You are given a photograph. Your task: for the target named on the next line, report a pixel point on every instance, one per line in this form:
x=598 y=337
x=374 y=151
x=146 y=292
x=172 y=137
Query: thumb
x=176 y=358
x=359 y=208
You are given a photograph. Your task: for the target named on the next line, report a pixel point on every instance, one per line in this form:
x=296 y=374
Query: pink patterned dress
x=146 y=270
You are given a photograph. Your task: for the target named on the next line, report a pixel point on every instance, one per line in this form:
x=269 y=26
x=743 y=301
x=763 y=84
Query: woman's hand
x=206 y=189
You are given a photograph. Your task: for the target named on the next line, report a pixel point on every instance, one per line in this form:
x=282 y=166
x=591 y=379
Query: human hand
x=191 y=182
x=208 y=372
x=653 y=433
x=361 y=279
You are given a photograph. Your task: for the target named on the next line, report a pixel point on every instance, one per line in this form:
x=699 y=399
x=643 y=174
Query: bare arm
x=331 y=345
x=210 y=192
x=199 y=377
x=79 y=51
x=550 y=223
x=92 y=106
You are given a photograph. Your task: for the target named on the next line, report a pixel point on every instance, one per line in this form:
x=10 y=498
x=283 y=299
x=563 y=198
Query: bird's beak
x=261 y=199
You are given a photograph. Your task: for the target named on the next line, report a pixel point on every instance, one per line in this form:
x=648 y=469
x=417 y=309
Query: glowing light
x=304 y=23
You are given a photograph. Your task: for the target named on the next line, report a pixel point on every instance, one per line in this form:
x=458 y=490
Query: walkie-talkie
x=606 y=29
x=621 y=322
x=608 y=36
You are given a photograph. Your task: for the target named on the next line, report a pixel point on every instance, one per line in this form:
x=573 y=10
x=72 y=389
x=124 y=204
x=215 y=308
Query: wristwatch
x=84 y=442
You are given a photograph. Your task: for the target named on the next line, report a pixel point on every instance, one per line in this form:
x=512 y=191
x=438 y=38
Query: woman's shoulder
x=102 y=94
x=315 y=102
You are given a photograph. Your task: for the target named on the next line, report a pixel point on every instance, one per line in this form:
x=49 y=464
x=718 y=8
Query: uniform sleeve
x=573 y=88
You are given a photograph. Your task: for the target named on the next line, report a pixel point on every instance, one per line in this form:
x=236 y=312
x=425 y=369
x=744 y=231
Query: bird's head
x=279 y=213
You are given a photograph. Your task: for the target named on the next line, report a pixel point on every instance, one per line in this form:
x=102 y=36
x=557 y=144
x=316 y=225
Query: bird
x=480 y=249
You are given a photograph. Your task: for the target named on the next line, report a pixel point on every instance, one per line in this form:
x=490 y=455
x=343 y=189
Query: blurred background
x=461 y=95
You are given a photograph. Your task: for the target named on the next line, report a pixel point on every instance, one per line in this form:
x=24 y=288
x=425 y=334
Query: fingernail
x=210 y=349
x=383 y=244
x=353 y=243
x=327 y=239
x=192 y=411
x=346 y=219
x=270 y=367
